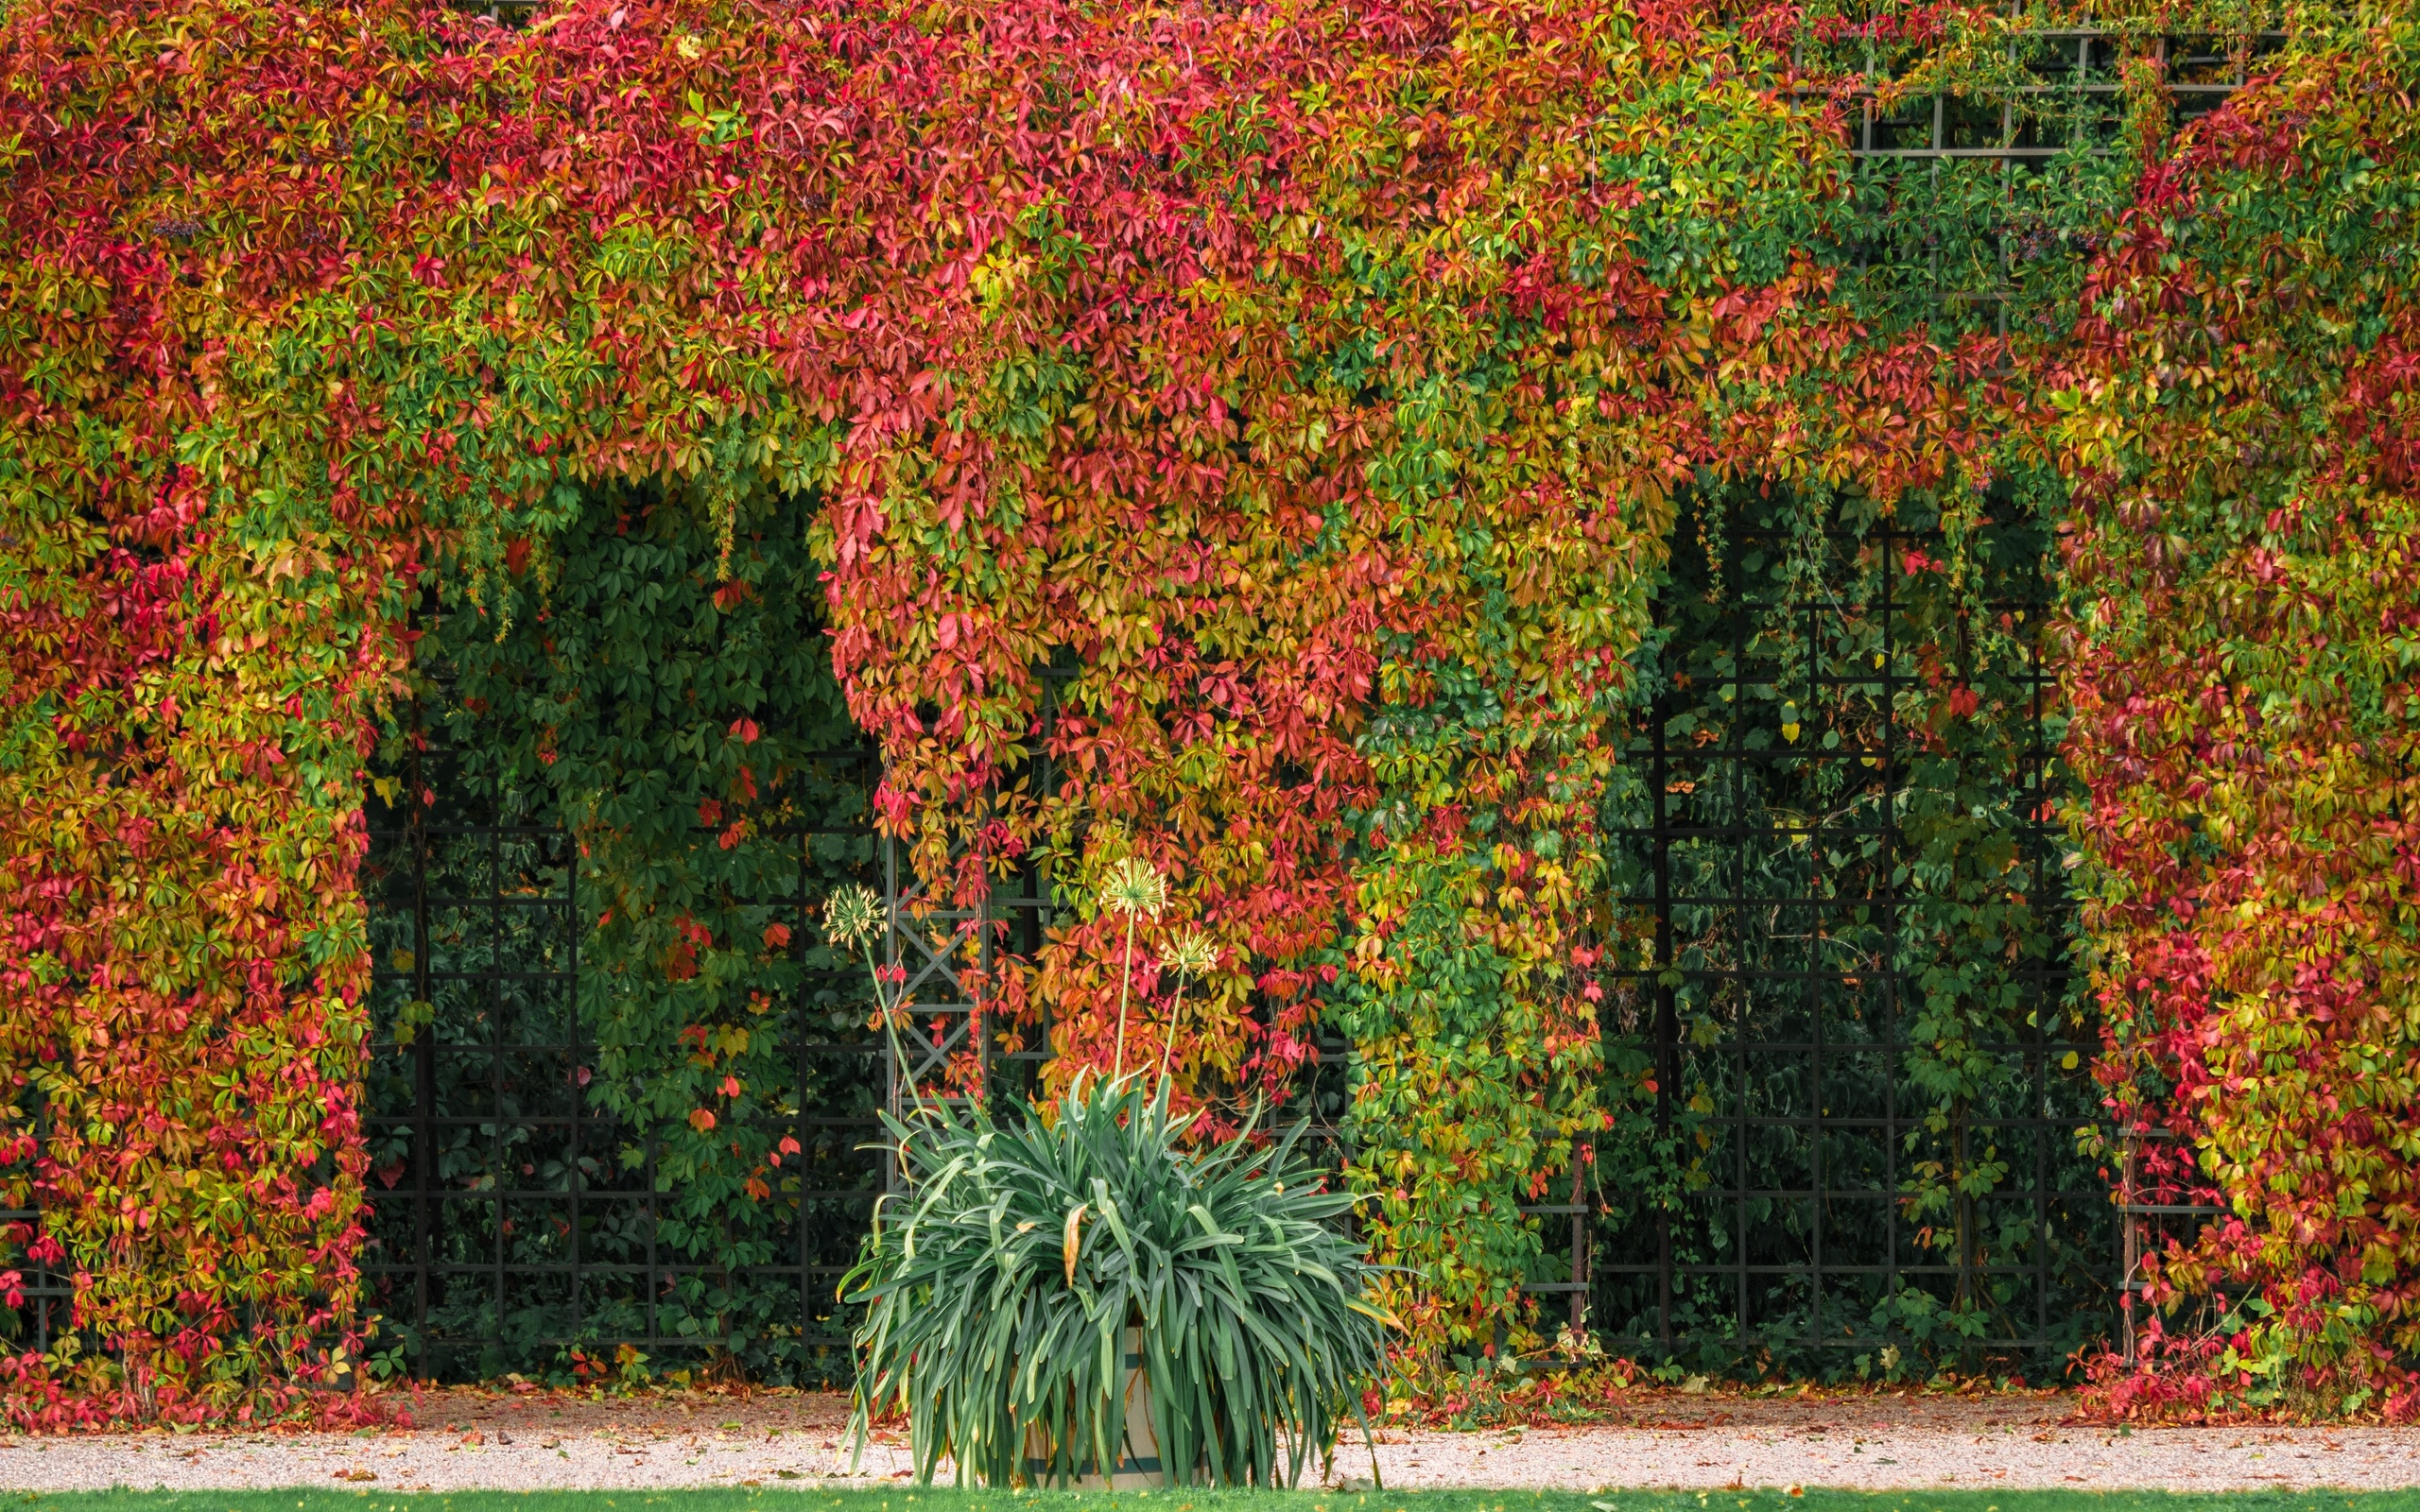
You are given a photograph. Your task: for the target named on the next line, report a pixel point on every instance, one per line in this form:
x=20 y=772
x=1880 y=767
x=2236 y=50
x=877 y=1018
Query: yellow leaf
x=1067 y=1241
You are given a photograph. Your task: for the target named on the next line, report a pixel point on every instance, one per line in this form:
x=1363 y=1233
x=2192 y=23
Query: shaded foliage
x=673 y=712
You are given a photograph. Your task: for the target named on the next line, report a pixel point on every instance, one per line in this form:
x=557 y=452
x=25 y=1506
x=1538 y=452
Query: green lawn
x=947 y=1501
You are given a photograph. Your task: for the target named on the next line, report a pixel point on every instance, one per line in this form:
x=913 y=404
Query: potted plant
x=1085 y=1298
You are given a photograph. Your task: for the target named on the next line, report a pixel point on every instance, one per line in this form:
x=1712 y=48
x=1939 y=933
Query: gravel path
x=468 y=1441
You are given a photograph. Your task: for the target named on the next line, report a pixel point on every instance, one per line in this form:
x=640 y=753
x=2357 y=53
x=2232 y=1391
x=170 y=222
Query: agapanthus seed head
x=1189 y=955
x=852 y=917
x=1135 y=888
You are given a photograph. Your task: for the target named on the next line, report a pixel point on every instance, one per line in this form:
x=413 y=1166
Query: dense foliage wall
x=2237 y=411
x=1322 y=381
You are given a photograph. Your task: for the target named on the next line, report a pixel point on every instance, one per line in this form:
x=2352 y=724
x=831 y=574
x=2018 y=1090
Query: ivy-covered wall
x=2237 y=410
x=1323 y=383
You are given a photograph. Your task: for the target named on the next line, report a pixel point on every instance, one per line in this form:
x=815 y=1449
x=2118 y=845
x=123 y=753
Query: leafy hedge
x=1322 y=381
x=2237 y=410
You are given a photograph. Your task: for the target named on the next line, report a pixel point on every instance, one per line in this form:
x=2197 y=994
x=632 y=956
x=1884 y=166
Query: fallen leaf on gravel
x=356 y=1475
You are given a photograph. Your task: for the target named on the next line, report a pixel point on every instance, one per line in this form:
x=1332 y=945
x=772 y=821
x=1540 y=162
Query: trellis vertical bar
x=891 y=1068
x=1667 y=1029
x=1815 y=1026
x=424 y=1052
x=799 y=1036
x=2033 y=791
x=1580 y=1245
x=1732 y=878
x=654 y=1282
x=498 y=1167
x=576 y=1097
x=1888 y=968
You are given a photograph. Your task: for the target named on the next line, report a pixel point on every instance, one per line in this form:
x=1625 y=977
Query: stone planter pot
x=1138 y=1465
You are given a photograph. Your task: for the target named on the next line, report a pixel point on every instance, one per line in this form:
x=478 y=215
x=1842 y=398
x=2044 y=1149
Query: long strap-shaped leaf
x=1250 y=1305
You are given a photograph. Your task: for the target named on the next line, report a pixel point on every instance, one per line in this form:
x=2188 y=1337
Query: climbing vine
x=2237 y=413
x=1316 y=384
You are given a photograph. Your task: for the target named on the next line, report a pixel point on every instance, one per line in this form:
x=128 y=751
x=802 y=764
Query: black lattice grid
x=1778 y=994
x=510 y=1223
